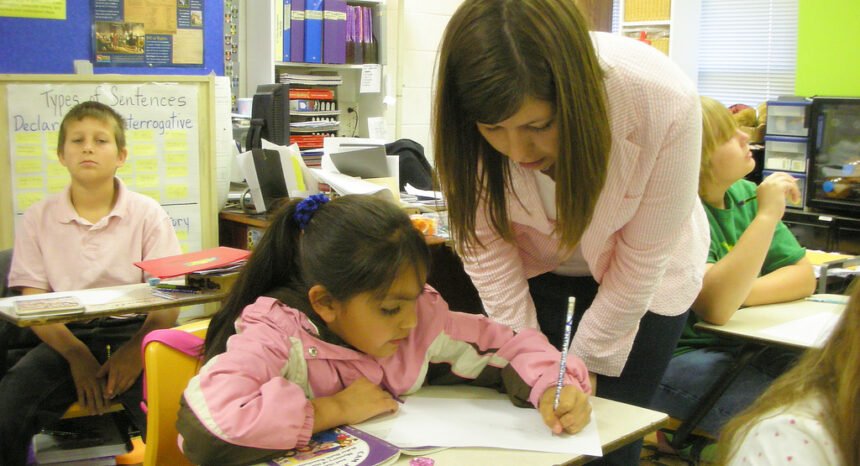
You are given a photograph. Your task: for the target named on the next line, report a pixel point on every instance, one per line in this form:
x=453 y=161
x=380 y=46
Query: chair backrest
x=170 y=360
x=5 y=264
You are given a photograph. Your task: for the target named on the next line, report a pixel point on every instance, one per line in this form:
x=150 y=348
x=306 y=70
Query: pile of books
x=207 y=270
x=89 y=440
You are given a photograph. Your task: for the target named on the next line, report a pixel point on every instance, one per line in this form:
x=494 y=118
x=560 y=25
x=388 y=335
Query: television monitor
x=270 y=116
x=833 y=182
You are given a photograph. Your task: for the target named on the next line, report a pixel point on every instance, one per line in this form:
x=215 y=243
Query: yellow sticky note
x=176 y=145
x=175 y=134
x=176 y=158
x=51 y=140
x=56 y=185
x=176 y=171
x=29 y=151
x=55 y=168
x=145 y=165
x=143 y=150
x=25 y=200
x=30 y=182
x=151 y=193
x=182 y=235
x=141 y=135
x=184 y=248
x=126 y=169
x=297 y=169
x=176 y=191
x=28 y=138
x=127 y=180
x=23 y=166
x=146 y=181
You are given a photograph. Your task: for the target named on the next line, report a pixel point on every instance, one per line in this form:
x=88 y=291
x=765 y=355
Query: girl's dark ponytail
x=273 y=264
x=350 y=245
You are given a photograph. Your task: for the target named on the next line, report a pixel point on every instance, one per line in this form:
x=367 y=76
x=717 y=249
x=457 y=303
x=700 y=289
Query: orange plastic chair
x=167 y=372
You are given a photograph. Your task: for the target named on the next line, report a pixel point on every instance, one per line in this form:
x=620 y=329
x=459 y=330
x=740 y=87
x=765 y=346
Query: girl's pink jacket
x=256 y=395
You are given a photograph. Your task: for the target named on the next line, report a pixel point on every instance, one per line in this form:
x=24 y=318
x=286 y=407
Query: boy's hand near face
x=773 y=191
x=573 y=412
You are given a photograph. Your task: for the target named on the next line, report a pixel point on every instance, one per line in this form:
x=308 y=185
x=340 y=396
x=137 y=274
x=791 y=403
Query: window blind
x=747 y=50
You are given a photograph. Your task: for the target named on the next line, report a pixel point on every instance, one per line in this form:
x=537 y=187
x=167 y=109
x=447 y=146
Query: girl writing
x=330 y=320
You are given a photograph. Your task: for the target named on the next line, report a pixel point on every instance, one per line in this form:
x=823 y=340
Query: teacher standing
x=569 y=162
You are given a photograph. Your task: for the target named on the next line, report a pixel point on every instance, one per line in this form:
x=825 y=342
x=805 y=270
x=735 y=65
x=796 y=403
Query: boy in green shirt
x=753 y=259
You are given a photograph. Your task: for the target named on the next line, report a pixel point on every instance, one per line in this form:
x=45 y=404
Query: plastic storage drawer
x=787 y=118
x=785 y=153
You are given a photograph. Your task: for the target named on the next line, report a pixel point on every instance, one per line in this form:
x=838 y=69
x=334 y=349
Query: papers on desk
x=810 y=331
x=468 y=422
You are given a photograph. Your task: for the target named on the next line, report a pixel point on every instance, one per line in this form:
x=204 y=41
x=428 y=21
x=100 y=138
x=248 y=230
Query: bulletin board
x=170 y=126
x=37 y=45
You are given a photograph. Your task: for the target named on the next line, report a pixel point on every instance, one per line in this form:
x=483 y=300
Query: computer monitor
x=270 y=116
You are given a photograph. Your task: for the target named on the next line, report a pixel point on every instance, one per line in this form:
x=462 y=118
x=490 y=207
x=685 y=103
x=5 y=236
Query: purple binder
x=334 y=31
x=297 y=32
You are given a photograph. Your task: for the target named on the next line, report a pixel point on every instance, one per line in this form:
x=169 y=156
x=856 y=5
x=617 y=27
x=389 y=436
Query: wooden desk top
x=114 y=300
x=262 y=221
x=617 y=424
x=749 y=322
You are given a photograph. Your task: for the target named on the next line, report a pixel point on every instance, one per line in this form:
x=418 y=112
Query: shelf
x=298 y=113
x=322 y=66
x=634 y=24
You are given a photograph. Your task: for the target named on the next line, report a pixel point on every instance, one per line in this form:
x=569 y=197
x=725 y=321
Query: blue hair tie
x=306 y=209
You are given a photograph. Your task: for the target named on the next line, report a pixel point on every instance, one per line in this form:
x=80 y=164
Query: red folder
x=182 y=264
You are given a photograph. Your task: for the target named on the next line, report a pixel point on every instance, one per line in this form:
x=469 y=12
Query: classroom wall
x=423 y=25
x=828 y=59
x=48 y=46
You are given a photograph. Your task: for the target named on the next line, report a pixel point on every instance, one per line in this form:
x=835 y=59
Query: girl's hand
x=773 y=191
x=362 y=400
x=121 y=370
x=85 y=370
x=573 y=412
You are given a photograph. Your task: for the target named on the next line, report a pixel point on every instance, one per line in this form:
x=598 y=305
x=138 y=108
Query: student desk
x=748 y=325
x=446 y=272
x=617 y=424
x=114 y=300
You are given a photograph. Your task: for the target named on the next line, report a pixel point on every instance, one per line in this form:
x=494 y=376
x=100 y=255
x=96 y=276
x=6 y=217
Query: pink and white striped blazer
x=648 y=240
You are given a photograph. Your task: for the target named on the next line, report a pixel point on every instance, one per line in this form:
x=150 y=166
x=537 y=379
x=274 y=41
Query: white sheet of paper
x=421 y=192
x=811 y=331
x=98 y=296
x=493 y=423
x=376 y=128
x=371 y=79
x=343 y=184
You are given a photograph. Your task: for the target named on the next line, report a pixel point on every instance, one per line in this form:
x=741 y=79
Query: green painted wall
x=828 y=48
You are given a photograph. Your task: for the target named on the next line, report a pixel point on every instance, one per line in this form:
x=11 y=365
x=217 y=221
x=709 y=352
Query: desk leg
x=748 y=352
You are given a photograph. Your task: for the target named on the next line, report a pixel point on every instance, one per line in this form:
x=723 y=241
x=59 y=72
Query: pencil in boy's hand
x=749 y=199
x=562 y=367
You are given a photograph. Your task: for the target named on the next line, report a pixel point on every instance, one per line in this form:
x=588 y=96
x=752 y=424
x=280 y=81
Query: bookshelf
x=260 y=65
x=671 y=26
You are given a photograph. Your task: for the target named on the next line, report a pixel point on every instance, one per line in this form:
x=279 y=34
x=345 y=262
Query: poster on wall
x=162 y=33
x=162 y=138
x=43 y=9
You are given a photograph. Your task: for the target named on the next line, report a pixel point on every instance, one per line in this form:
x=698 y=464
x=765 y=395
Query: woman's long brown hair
x=494 y=54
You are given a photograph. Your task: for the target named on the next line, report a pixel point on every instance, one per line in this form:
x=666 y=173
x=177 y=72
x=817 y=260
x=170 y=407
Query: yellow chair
x=167 y=372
